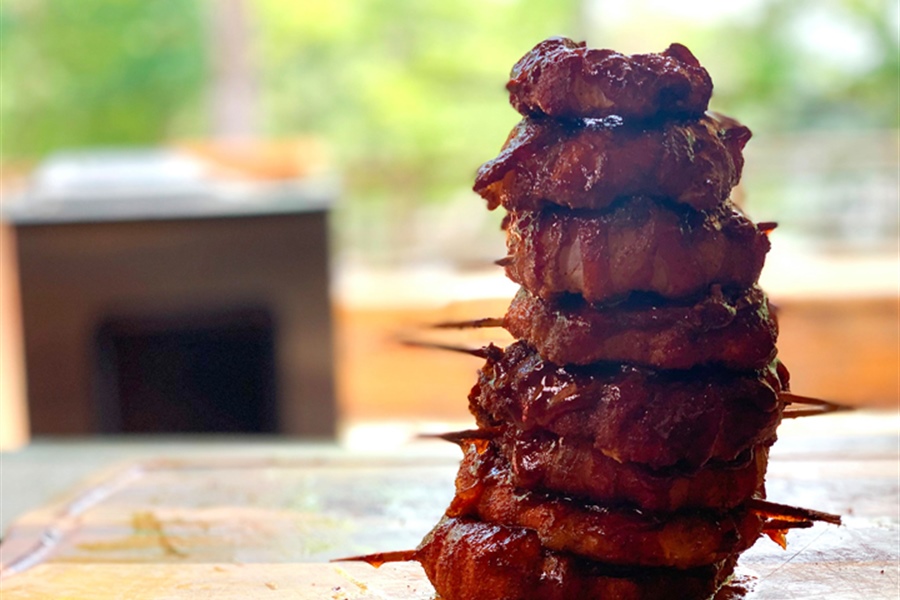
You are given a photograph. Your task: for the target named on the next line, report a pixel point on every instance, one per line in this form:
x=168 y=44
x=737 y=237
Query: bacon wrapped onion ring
x=564 y=79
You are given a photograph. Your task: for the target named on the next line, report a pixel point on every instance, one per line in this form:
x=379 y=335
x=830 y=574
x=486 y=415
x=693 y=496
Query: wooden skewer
x=782 y=524
x=804 y=406
x=767 y=226
x=797 y=399
x=506 y=260
x=473 y=324
x=819 y=406
x=791 y=513
x=797 y=412
x=379 y=558
x=461 y=437
x=484 y=352
x=797 y=406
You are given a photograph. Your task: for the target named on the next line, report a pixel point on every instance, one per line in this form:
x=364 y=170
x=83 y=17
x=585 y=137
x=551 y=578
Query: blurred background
x=221 y=215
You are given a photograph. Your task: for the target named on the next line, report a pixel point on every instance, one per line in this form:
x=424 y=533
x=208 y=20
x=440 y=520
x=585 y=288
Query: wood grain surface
x=266 y=528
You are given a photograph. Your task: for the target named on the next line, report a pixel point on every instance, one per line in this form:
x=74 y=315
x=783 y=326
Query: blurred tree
x=234 y=94
x=406 y=89
x=410 y=93
x=99 y=72
x=809 y=64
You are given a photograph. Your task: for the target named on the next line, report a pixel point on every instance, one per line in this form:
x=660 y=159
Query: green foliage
x=409 y=92
x=98 y=72
x=810 y=64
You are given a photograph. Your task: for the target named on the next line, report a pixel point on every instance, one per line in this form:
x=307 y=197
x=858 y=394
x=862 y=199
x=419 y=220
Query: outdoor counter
x=261 y=517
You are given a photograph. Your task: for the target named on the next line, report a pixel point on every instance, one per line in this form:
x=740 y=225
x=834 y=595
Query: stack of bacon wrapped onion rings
x=623 y=440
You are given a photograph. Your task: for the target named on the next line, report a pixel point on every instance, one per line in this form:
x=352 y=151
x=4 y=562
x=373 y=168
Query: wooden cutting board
x=259 y=528
x=818 y=569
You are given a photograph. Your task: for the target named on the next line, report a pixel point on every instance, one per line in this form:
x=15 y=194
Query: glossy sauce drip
x=779 y=536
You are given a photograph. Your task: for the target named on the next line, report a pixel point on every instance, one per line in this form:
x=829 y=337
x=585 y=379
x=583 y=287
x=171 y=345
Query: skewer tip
x=805 y=406
x=483 y=352
x=480 y=437
x=472 y=324
x=379 y=558
x=791 y=514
